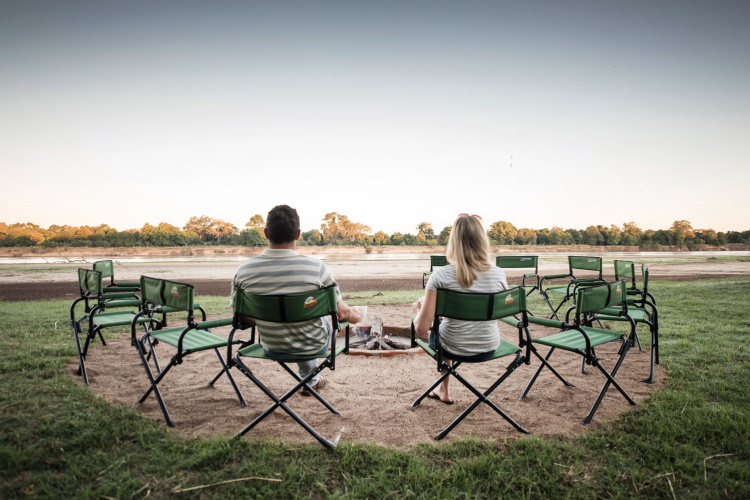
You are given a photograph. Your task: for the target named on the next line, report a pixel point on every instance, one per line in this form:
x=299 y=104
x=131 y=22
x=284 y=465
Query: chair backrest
x=625 y=269
x=585 y=263
x=90 y=282
x=438 y=261
x=513 y=262
x=594 y=298
x=644 y=277
x=290 y=308
x=158 y=292
x=105 y=267
x=480 y=306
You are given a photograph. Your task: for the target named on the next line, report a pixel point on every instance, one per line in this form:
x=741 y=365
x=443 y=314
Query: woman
x=469 y=270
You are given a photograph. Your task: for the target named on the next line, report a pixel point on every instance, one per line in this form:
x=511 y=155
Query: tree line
x=337 y=229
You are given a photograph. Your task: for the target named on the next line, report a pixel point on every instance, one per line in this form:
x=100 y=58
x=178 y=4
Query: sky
x=391 y=112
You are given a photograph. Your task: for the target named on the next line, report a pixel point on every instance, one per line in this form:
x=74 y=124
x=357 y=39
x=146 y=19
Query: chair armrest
x=214 y=323
x=123 y=303
x=555 y=276
x=119 y=295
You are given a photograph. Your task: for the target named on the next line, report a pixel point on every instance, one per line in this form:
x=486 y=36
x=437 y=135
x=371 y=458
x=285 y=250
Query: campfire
x=373 y=339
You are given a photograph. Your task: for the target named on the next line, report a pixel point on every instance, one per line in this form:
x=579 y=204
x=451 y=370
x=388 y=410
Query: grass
x=690 y=440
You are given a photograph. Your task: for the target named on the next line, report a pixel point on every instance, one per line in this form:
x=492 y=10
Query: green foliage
x=690 y=440
x=337 y=229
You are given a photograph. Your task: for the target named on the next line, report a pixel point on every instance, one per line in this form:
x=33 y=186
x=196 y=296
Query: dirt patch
x=372 y=393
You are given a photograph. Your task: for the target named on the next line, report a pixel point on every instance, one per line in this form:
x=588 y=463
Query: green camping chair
x=625 y=269
x=592 y=268
x=581 y=338
x=475 y=307
x=435 y=261
x=106 y=267
x=107 y=312
x=160 y=297
x=287 y=309
x=522 y=262
x=642 y=310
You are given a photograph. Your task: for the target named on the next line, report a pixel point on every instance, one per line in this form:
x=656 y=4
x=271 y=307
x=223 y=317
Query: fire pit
x=379 y=340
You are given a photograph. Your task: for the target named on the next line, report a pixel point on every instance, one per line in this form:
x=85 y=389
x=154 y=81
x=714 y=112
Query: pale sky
x=391 y=112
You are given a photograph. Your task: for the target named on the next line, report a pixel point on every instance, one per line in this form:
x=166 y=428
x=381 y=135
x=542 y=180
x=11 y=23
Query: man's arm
x=348 y=313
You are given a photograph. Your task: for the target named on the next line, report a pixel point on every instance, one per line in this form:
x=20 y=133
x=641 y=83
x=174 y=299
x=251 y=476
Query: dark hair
x=282 y=224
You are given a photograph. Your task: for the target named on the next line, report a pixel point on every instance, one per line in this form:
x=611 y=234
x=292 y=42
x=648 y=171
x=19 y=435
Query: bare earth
x=372 y=393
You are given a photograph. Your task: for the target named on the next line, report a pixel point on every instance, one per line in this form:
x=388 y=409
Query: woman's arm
x=425 y=309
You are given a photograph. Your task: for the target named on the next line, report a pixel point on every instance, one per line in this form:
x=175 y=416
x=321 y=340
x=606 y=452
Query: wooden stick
x=225 y=482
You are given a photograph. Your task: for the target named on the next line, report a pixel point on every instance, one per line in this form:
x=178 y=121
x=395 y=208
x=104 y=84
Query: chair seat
x=557 y=289
x=123 y=302
x=638 y=314
x=118 y=318
x=572 y=340
x=552 y=323
x=504 y=349
x=194 y=340
x=256 y=351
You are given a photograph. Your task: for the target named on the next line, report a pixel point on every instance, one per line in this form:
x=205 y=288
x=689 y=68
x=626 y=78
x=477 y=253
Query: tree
x=380 y=238
x=209 y=229
x=592 y=236
x=252 y=237
x=256 y=222
x=611 y=236
x=397 y=239
x=425 y=229
x=526 y=236
x=504 y=233
x=682 y=231
x=313 y=237
x=631 y=234
x=559 y=237
x=339 y=229
x=163 y=235
x=444 y=235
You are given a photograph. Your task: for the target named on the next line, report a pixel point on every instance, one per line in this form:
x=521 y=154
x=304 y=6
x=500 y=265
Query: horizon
x=557 y=114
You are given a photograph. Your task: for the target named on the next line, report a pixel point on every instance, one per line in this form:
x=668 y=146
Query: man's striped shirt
x=282 y=271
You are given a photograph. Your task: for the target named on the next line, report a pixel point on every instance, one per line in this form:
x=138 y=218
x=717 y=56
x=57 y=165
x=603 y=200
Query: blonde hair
x=468 y=249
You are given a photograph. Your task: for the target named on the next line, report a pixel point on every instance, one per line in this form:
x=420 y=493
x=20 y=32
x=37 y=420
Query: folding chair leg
x=552 y=308
x=225 y=369
x=279 y=403
x=152 y=353
x=539 y=370
x=309 y=388
x=153 y=382
x=652 y=354
x=81 y=357
x=482 y=398
x=610 y=380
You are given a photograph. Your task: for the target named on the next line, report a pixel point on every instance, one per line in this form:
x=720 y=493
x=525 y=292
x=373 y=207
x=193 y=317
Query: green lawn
x=690 y=440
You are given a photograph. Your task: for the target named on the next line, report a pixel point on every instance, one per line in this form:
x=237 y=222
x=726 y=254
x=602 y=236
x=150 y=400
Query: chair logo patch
x=310 y=302
x=618 y=292
x=92 y=280
x=592 y=260
x=175 y=292
x=509 y=300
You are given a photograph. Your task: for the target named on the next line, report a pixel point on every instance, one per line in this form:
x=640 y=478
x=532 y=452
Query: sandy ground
x=372 y=393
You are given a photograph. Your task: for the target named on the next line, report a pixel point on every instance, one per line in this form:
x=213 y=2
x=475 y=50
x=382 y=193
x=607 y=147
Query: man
x=281 y=270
